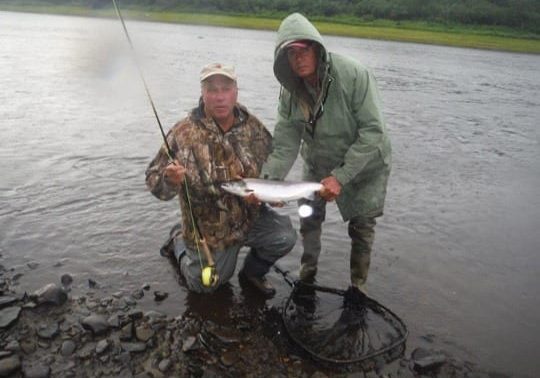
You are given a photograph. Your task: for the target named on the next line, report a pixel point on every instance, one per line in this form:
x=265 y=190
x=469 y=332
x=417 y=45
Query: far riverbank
x=463 y=36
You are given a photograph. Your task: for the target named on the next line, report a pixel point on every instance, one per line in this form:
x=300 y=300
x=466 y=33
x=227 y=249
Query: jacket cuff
x=341 y=176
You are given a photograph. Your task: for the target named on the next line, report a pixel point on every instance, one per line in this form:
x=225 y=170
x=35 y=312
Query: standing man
x=329 y=109
x=220 y=141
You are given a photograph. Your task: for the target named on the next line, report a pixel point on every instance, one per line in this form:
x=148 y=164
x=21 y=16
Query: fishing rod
x=209 y=274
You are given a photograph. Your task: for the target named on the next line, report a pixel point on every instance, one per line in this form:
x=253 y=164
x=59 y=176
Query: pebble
x=6 y=301
x=9 y=365
x=48 y=331
x=8 y=316
x=51 y=294
x=68 y=347
x=66 y=280
x=160 y=295
x=102 y=346
x=96 y=323
x=37 y=371
x=133 y=347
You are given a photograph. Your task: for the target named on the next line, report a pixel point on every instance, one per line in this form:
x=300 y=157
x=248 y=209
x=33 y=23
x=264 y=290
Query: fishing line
x=117 y=9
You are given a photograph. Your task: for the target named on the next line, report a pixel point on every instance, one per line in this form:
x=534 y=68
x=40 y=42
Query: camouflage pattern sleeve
x=155 y=181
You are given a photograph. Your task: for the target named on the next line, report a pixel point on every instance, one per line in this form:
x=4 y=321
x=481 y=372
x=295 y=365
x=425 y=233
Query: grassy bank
x=462 y=36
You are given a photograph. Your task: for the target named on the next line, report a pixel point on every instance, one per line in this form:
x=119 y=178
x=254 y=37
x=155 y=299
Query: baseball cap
x=300 y=43
x=217 y=69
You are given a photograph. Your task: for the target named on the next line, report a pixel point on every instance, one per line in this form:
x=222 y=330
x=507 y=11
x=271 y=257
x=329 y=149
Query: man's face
x=303 y=61
x=219 y=94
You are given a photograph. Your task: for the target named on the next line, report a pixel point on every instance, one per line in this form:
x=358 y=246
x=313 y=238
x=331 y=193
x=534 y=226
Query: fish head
x=238 y=188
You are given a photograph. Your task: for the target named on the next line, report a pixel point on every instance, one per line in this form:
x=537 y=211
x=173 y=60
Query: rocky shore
x=53 y=333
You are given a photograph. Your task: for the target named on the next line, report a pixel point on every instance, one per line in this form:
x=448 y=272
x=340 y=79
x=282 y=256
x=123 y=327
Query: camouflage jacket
x=212 y=157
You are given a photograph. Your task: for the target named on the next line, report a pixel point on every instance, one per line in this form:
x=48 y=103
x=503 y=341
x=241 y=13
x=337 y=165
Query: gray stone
x=68 y=347
x=126 y=333
x=48 y=331
x=66 y=280
x=8 y=316
x=9 y=366
x=37 y=371
x=28 y=346
x=137 y=294
x=144 y=332
x=424 y=360
x=164 y=365
x=160 y=295
x=135 y=314
x=6 y=300
x=114 y=321
x=96 y=323
x=102 y=346
x=189 y=343
x=51 y=294
x=134 y=347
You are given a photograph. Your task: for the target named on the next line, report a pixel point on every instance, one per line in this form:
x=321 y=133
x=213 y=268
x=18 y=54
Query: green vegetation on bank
x=473 y=36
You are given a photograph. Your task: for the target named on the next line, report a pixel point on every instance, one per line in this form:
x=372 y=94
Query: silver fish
x=271 y=190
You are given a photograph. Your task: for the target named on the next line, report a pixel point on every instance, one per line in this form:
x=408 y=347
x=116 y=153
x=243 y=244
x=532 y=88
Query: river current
x=456 y=253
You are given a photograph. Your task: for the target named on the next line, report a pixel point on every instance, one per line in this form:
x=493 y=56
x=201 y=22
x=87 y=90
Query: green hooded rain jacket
x=348 y=137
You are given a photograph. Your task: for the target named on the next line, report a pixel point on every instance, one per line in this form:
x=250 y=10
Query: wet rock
x=87 y=351
x=126 y=333
x=28 y=346
x=96 y=323
x=230 y=357
x=6 y=301
x=164 y=365
x=8 y=316
x=145 y=286
x=102 y=346
x=105 y=302
x=92 y=284
x=189 y=344
x=134 y=347
x=37 y=371
x=135 y=314
x=137 y=294
x=67 y=348
x=124 y=358
x=48 y=331
x=51 y=294
x=13 y=346
x=144 y=332
x=66 y=280
x=426 y=360
x=114 y=321
x=9 y=366
x=32 y=265
x=160 y=295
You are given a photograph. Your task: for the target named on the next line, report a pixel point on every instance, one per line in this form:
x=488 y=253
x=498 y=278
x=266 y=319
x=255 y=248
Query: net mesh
x=342 y=327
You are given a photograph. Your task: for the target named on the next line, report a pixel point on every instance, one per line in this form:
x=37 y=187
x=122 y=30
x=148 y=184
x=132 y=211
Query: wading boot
x=259 y=283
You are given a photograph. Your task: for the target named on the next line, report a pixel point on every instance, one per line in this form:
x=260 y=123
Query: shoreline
x=465 y=38
x=54 y=332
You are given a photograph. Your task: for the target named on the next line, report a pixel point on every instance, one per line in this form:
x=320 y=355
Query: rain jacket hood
x=296 y=27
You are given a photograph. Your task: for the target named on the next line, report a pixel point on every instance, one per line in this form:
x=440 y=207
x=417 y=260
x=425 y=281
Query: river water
x=456 y=253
